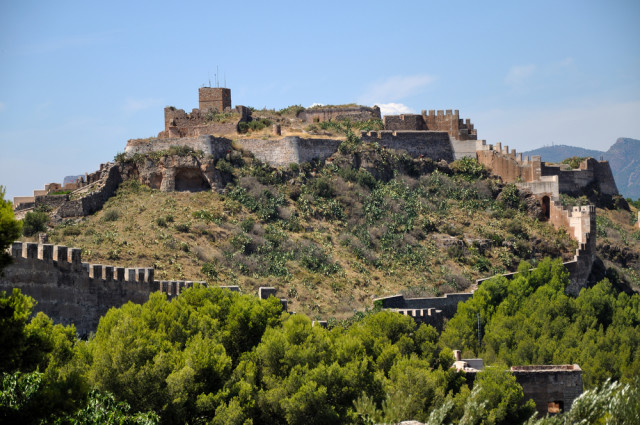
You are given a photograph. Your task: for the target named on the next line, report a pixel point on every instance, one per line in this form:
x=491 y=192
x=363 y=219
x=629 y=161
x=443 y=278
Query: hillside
x=623 y=155
x=330 y=236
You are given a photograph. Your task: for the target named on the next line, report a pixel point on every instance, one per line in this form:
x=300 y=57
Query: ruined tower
x=216 y=98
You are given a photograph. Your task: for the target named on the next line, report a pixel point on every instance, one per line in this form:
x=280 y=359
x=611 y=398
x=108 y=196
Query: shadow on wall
x=190 y=180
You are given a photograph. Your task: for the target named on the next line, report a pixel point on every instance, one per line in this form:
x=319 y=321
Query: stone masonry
x=553 y=388
x=70 y=291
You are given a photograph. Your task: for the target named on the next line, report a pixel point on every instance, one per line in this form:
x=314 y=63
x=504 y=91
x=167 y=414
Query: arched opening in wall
x=546 y=207
x=155 y=181
x=190 y=180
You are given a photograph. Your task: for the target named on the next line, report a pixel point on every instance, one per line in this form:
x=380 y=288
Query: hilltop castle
x=213 y=129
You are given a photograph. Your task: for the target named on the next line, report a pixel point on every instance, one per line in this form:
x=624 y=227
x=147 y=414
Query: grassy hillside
x=330 y=237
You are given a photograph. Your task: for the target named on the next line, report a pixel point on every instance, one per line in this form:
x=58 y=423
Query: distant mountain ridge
x=623 y=156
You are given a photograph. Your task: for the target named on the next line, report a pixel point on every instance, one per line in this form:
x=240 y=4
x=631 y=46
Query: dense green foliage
x=214 y=356
x=10 y=228
x=530 y=320
x=34 y=222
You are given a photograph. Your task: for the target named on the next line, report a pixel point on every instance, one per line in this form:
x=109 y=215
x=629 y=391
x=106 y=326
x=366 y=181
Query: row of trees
x=213 y=356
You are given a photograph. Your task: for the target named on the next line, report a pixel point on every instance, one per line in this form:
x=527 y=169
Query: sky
x=78 y=79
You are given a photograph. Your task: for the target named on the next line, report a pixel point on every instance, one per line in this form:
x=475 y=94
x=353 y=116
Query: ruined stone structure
x=553 y=388
x=25 y=202
x=336 y=113
x=433 y=121
x=546 y=182
x=431 y=311
x=72 y=292
x=179 y=124
x=542 y=178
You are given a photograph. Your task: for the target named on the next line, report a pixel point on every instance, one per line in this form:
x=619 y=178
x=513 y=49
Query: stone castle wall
x=356 y=113
x=431 y=311
x=178 y=123
x=512 y=168
x=431 y=144
x=72 y=292
x=290 y=149
x=217 y=147
x=448 y=121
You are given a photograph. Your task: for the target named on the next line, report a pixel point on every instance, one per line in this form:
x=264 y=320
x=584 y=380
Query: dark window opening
x=546 y=207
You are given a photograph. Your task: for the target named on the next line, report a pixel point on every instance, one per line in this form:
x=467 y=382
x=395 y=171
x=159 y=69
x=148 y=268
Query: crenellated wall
x=70 y=291
x=432 y=310
x=448 y=121
x=541 y=177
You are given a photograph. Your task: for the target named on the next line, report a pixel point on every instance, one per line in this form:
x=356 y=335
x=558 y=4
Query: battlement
x=71 y=291
x=441 y=120
x=429 y=310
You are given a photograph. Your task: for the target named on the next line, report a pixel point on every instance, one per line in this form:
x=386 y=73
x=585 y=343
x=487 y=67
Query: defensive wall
x=216 y=147
x=553 y=388
x=431 y=144
x=355 y=113
x=431 y=310
x=70 y=291
x=178 y=123
x=448 y=121
x=513 y=168
x=25 y=202
x=290 y=149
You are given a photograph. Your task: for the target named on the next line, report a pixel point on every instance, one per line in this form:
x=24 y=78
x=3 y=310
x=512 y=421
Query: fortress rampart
x=290 y=149
x=448 y=121
x=431 y=144
x=355 y=113
x=513 y=168
x=70 y=291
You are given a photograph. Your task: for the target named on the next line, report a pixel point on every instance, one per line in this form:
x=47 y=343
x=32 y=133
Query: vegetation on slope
x=330 y=236
x=214 y=356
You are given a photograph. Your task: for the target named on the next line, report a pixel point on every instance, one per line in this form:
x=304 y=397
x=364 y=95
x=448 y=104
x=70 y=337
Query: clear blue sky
x=78 y=79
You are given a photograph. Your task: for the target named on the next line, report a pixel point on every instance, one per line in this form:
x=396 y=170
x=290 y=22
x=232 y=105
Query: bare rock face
x=180 y=173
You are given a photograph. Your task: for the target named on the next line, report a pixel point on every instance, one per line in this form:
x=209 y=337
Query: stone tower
x=216 y=98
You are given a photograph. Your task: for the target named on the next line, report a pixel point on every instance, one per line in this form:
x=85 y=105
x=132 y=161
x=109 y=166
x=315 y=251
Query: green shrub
x=210 y=270
x=111 y=215
x=34 y=222
x=574 y=161
x=183 y=227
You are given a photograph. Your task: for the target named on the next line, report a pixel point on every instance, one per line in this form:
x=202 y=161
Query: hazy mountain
x=623 y=156
x=557 y=153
